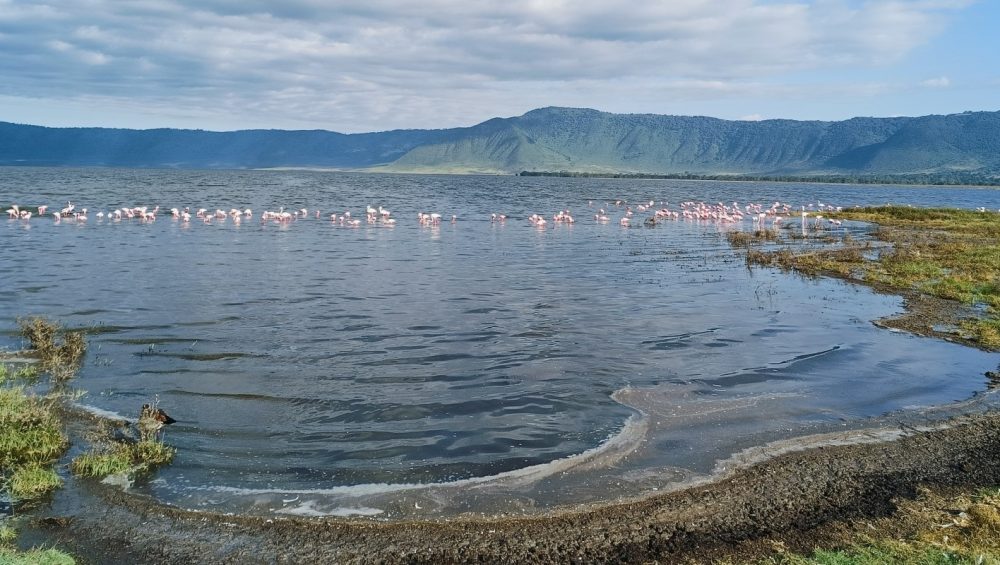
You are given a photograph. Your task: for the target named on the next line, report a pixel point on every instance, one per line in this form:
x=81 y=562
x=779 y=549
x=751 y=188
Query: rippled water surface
x=318 y=368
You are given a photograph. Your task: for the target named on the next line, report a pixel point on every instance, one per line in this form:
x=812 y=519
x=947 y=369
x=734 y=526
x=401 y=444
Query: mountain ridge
x=554 y=138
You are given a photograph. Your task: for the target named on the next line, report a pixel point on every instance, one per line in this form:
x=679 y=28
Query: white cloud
x=939 y=82
x=387 y=63
x=752 y=118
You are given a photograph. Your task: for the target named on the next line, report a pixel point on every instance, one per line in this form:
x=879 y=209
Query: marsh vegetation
x=111 y=455
x=32 y=436
x=946 y=253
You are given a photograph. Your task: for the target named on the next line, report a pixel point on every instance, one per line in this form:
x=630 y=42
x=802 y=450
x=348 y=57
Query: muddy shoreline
x=799 y=499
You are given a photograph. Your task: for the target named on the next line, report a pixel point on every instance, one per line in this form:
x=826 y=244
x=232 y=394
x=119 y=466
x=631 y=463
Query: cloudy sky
x=385 y=64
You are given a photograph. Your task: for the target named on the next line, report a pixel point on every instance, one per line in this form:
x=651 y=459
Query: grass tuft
x=27 y=372
x=9 y=556
x=30 y=431
x=739 y=238
x=8 y=536
x=746 y=239
x=33 y=481
x=116 y=458
x=60 y=351
x=100 y=465
x=40 y=333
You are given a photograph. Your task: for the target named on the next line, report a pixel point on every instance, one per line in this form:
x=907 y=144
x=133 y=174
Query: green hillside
x=575 y=140
x=568 y=139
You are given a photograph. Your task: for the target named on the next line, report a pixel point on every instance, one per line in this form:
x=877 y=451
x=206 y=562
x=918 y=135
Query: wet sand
x=802 y=498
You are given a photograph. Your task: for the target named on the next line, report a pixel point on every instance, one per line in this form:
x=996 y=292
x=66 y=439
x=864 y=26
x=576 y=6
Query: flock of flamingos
x=624 y=212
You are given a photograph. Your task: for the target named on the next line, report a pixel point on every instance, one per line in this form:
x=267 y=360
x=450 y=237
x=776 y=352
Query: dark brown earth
x=822 y=496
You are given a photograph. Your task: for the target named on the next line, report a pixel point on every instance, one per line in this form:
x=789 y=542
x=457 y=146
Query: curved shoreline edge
x=795 y=498
x=792 y=497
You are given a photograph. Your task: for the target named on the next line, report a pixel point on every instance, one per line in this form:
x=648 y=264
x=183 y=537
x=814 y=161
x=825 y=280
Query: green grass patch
x=942 y=529
x=986 y=332
x=116 y=458
x=30 y=431
x=33 y=481
x=100 y=465
x=882 y=554
x=8 y=535
x=27 y=372
x=9 y=556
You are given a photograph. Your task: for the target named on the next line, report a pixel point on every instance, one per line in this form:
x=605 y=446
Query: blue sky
x=384 y=64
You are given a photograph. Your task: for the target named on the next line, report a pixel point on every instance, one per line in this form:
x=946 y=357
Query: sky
x=383 y=64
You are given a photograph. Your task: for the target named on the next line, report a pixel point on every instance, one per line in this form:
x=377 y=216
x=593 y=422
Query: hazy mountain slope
x=34 y=145
x=549 y=139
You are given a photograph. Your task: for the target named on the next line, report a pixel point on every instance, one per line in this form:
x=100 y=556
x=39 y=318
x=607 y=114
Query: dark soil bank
x=798 y=499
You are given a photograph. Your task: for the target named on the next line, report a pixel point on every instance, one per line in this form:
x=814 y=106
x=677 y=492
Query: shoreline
x=798 y=498
x=826 y=494
x=381 y=170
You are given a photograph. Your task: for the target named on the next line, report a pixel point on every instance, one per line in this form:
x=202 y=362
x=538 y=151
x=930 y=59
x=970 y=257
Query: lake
x=316 y=368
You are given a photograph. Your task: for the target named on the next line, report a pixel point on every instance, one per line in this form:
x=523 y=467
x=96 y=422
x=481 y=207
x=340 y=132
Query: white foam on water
x=607 y=453
x=118 y=480
x=102 y=413
x=308 y=508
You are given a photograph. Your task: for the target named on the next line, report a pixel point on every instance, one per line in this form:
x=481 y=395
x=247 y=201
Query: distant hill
x=551 y=139
x=34 y=145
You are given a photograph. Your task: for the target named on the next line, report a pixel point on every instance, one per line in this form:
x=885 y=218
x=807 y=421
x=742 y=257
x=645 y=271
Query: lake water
x=316 y=368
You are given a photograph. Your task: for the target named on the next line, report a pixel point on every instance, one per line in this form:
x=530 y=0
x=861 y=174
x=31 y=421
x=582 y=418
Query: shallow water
x=322 y=369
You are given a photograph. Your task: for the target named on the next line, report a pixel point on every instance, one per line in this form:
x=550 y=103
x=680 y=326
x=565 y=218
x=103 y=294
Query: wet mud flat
x=818 y=496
